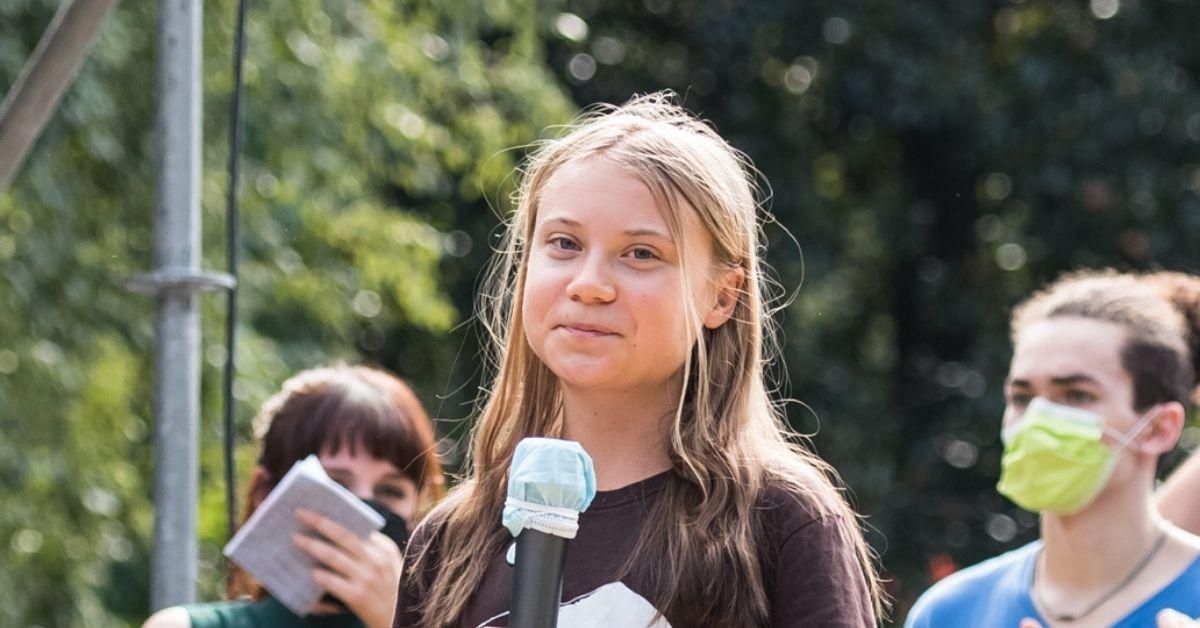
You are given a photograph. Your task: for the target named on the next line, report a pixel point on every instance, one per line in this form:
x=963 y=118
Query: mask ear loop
x=1124 y=440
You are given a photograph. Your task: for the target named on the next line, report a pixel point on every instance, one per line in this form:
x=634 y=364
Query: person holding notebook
x=372 y=436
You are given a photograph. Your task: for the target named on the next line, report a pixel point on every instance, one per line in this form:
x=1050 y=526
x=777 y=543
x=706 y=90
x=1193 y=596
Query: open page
x=264 y=547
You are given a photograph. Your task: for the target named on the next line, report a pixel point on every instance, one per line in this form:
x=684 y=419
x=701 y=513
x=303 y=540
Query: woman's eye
x=393 y=492
x=564 y=243
x=643 y=254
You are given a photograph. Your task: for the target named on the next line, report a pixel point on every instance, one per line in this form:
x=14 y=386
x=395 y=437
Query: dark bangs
x=364 y=410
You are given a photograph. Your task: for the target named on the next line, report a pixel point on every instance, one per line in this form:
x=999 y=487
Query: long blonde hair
x=727 y=442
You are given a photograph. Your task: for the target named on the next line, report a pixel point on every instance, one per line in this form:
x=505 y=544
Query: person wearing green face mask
x=1104 y=370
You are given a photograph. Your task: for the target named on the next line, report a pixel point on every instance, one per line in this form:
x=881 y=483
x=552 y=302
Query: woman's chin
x=587 y=376
x=586 y=382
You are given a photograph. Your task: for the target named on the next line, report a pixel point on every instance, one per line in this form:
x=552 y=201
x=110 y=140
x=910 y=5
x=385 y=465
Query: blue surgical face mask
x=550 y=481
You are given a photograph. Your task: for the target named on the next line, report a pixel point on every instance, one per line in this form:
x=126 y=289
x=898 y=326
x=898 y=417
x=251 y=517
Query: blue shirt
x=996 y=593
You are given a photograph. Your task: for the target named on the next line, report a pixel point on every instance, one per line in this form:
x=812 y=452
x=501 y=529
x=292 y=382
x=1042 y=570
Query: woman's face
x=369 y=477
x=604 y=297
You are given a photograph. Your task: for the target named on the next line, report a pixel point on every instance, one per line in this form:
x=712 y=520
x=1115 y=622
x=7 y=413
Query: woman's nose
x=593 y=283
x=362 y=491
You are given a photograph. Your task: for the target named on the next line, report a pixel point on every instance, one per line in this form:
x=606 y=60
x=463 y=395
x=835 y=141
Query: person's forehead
x=359 y=460
x=594 y=179
x=599 y=183
x=1067 y=347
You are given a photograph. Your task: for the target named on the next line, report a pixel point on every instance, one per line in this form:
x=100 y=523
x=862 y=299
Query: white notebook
x=264 y=548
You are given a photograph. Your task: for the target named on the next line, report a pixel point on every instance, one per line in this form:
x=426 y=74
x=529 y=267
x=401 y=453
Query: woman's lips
x=586 y=331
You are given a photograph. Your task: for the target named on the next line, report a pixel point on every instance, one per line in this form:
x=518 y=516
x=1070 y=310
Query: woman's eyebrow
x=636 y=232
x=565 y=221
x=642 y=232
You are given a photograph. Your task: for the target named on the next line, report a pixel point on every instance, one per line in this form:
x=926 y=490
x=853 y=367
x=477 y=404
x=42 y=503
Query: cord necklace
x=1133 y=574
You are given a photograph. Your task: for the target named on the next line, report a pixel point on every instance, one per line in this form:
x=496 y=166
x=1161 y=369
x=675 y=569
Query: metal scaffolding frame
x=176 y=280
x=49 y=72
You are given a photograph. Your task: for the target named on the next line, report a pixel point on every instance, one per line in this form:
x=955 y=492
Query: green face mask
x=1054 y=459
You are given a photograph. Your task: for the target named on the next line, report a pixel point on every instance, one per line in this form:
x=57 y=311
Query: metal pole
x=51 y=68
x=177 y=332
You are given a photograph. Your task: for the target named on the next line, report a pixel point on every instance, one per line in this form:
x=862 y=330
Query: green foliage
x=376 y=132
x=935 y=163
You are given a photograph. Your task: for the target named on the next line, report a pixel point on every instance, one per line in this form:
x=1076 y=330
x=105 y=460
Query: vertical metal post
x=177 y=332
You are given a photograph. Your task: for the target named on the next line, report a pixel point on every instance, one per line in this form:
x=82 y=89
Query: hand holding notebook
x=264 y=547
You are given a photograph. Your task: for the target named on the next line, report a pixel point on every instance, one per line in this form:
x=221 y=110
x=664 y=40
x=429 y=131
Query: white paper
x=264 y=548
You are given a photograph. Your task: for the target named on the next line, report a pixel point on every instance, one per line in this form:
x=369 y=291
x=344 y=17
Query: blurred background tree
x=934 y=163
x=376 y=134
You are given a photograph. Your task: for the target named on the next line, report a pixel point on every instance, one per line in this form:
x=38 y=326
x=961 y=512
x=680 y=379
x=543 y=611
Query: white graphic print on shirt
x=613 y=605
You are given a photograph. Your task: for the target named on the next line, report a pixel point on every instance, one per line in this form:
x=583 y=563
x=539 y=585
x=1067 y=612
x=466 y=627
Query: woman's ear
x=1164 y=430
x=729 y=287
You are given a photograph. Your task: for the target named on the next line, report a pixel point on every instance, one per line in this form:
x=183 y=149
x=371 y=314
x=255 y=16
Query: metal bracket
x=180 y=279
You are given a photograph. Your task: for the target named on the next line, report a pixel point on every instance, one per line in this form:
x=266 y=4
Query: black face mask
x=394 y=528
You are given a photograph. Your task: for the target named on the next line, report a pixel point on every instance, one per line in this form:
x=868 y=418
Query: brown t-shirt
x=809 y=567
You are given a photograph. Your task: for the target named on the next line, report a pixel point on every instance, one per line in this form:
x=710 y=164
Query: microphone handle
x=537 y=580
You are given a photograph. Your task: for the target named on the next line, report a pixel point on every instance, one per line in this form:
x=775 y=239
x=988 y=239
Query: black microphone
x=550 y=482
x=537 y=580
